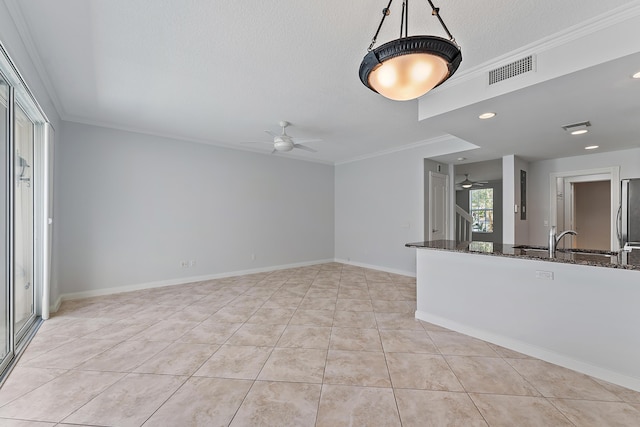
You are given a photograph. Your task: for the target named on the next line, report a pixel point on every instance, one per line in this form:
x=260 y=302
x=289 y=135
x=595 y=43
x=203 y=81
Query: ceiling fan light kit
x=467 y=183
x=410 y=66
x=283 y=143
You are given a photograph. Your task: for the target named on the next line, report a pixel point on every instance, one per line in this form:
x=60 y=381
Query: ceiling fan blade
x=271 y=133
x=257 y=142
x=302 y=147
x=304 y=141
x=274 y=151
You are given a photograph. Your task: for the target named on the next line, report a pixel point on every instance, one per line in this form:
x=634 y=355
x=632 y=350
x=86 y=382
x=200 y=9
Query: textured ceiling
x=223 y=72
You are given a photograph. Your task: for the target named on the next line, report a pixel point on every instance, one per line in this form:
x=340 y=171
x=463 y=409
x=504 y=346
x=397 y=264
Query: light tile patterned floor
x=327 y=345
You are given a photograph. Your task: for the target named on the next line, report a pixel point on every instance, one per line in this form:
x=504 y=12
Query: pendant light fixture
x=410 y=66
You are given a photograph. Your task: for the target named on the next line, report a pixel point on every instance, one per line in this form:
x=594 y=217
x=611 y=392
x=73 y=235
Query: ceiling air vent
x=513 y=69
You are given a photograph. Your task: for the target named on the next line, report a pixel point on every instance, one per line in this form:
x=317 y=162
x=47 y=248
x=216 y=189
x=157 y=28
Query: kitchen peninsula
x=575 y=310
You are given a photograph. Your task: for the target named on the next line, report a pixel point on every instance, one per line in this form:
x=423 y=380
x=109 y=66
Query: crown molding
x=431 y=141
x=25 y=35
x=183 y=138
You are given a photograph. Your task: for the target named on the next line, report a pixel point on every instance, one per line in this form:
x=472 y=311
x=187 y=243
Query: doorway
x=586 y=201
x=590 y=214
x=438 y=224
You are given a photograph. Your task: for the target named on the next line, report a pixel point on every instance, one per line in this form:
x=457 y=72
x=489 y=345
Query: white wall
x=508 y=200
x=515 y=229
x=585 y=318
x=538 y=190
x=130 y=207
x=380 y=204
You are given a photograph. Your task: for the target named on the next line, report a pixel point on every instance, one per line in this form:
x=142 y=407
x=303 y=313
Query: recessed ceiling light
x=485 y=116
x=636 y=75
x=461 y=159
x=579 y=132
x=591 y=147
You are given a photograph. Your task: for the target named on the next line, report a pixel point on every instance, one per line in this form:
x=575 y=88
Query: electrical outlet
x=184 y=264
x=544 y=275
x=192 y=263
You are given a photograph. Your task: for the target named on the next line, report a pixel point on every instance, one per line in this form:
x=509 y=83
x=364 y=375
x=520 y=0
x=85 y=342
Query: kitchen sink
x=568 y=254
x=588 y=256
x=535 y=252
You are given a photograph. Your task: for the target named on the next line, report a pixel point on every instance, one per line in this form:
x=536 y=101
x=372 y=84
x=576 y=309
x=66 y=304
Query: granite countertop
x=596 y=258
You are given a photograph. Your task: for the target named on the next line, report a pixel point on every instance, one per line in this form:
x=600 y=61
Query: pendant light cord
x=404 y=20
x=435 y=11
x=385 y=12
x=404 y=23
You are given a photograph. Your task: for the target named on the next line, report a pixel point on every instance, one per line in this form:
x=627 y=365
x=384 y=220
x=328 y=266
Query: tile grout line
x=343 y=283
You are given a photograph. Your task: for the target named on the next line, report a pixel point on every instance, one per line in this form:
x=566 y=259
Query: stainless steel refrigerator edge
x=629 y=213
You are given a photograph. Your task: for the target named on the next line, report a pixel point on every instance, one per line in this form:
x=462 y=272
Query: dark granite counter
x=595 y=258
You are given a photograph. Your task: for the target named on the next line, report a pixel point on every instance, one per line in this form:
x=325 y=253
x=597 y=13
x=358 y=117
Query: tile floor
x=328 y=345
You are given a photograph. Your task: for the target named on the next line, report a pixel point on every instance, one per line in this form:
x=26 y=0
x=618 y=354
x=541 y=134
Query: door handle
x=434 y=231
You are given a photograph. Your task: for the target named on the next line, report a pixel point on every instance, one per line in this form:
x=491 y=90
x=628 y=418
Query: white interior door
x=438 y=206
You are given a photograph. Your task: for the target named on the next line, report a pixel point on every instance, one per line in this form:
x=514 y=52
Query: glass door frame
x=20 y=96
x=8 y=224
x=29 y=321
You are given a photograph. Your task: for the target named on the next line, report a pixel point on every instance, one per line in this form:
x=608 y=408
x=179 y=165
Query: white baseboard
x=184 y=280
x=172 y=282
x=56 y=305
x=534 y=351
x=376 y=267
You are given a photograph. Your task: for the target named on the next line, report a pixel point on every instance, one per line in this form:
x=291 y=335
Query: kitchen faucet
x=554 y=240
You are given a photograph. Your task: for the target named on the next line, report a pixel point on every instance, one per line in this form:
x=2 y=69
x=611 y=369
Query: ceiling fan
x=283 y=142
x=467 y=183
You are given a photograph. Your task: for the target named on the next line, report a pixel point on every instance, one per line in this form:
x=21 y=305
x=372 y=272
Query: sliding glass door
x=22 y=217
x=4 y=223
x=25 y=213
x=23 y=286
